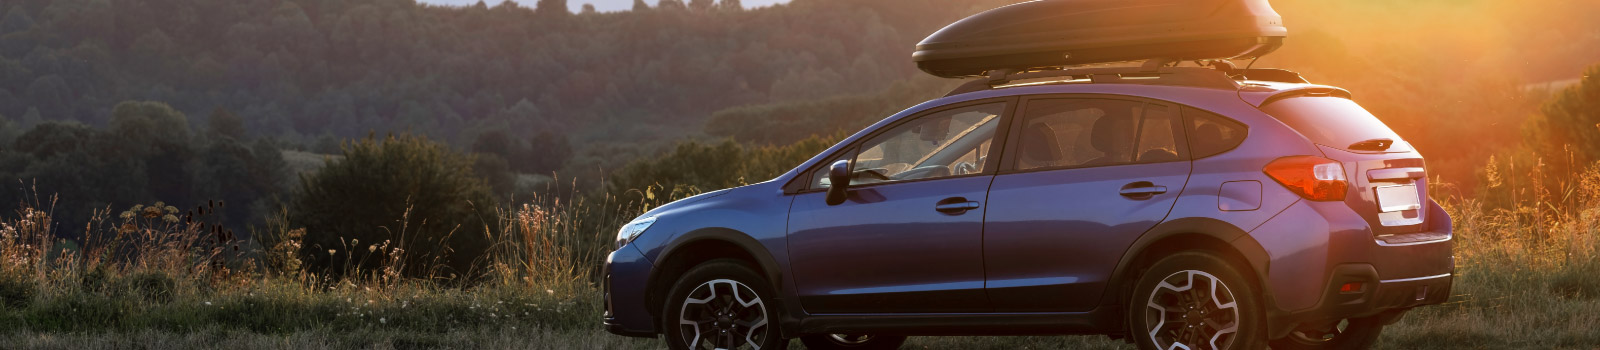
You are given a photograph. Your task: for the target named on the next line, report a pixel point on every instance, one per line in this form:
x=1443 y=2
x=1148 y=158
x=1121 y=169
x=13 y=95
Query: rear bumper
x=1317 y=248
x=1374 y=297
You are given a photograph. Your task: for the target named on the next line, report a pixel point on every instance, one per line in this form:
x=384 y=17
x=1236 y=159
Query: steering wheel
x=964 y=168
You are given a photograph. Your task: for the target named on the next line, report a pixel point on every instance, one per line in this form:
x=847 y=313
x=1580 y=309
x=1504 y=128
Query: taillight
x=1314 y=178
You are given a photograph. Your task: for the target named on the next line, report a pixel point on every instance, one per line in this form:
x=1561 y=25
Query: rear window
x=1334 y=122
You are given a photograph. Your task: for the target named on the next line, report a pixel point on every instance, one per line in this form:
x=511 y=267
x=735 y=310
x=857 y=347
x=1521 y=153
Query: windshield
x=1336 y=122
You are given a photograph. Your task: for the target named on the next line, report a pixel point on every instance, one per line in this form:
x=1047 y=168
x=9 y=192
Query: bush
x=404 y=204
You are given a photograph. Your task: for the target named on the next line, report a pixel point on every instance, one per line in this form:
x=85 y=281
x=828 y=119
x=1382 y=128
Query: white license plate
x=1398 y=198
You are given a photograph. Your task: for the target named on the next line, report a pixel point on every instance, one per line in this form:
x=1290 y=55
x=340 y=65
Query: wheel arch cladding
x=699 y=246
x=1229 y=242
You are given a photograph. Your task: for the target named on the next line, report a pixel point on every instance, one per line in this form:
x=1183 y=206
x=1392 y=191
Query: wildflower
x=152 y=212
x=170 y=218
x=372 y=248
x=550 y=292
x=333 y=251
x=208 y=303
x=383 y=320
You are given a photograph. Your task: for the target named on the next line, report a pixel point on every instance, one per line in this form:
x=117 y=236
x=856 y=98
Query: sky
x=600 y=5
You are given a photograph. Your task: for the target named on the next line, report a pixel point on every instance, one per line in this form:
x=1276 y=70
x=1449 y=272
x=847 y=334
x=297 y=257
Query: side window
x=1158 y=135
x=1211 y=134
x=947 y=143
x=1059 y=133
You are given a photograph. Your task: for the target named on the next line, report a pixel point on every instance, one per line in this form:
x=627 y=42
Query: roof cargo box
x=1054 y=33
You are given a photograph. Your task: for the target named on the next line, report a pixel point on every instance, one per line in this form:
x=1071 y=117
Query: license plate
x=1398 y=198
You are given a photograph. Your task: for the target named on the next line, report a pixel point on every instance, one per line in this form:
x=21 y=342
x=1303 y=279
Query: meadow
x=1510 y=157
x=158 y=277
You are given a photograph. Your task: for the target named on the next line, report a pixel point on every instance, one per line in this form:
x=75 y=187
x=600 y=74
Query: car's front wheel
x=852 y=342
x=722 y=304
x=1349 y=334
x=1195 y=300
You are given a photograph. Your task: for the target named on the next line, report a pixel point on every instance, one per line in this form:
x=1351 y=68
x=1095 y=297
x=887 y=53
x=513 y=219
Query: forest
x=287 y=159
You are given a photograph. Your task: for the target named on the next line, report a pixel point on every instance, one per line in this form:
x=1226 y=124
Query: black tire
x=1232 y=316
x=721 y=307
x=1351 y=334
x=852 y=342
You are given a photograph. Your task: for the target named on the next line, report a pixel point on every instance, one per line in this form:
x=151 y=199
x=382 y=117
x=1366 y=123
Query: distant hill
x=616 y=84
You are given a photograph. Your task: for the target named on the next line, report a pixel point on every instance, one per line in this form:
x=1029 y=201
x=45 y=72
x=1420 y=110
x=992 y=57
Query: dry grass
x=160 y=277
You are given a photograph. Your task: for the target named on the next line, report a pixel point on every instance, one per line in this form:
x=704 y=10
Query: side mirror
x=838 y=182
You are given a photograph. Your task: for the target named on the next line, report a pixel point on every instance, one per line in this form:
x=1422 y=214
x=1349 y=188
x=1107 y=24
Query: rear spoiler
x=1262 y=96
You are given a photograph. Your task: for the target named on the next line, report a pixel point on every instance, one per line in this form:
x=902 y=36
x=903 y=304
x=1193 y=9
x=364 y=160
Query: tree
x=702 y=5
x=223 y=123
x=588 y=9
x=15 y=20
x=552 y=8
x=671 y=5
x=734 y=5
x=1571 y=118
x=546 y=152
x=52 y=138
x=8 y=132
x=157 y=136
x=639 y=5
x=401 y=192
x=496 y=142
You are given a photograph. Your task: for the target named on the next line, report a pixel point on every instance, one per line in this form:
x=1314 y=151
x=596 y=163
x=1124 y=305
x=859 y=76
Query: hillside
x=299 y=70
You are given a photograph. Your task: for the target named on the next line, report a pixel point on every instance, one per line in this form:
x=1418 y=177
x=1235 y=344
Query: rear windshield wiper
x=1373 y=145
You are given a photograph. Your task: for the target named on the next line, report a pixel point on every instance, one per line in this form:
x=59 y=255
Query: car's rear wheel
x=852 y=342
x=1195 y=300
x=722 y=304
x=1349 y=334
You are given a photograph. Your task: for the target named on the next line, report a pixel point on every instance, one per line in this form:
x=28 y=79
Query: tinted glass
x=1331 y=121
x=1158 y=141
x=947 y=143
x=1211 y=134
x=1091 y=132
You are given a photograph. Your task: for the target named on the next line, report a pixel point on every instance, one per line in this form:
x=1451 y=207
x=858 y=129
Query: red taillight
x=1314 y=178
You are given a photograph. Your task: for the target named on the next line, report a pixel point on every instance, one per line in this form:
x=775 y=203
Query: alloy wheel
x=723 y=314
x=1192 y=310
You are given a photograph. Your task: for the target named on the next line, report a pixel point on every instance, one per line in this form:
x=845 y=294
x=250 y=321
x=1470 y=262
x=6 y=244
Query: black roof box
x=1054 y=33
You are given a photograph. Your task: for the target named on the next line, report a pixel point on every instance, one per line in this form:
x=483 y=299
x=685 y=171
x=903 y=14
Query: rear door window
x=1336 y=122
x=1080 y=132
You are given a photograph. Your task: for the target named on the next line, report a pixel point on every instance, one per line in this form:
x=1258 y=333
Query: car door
x=1084 y=177
x=909 y=238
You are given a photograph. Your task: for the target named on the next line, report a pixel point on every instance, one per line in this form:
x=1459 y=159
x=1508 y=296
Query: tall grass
x=1528 y=277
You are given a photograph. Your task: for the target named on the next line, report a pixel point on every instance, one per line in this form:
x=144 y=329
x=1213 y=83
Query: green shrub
x=402 y=205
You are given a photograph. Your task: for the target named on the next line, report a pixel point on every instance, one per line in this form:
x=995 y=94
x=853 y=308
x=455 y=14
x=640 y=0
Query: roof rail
x=1222 y=75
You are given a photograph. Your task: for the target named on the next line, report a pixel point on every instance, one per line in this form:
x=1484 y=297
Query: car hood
x=687 y=201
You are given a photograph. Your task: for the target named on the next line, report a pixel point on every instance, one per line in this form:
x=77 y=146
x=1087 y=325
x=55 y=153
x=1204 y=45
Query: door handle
x=955 y=205
x=1142 y=190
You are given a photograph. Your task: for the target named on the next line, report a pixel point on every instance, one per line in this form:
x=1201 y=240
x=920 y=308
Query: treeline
x=147 y=152
x=614 y=85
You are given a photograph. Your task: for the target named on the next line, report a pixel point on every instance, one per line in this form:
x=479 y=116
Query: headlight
x=633 y=230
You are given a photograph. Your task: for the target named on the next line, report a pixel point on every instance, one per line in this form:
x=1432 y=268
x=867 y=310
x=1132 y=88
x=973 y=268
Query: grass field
x=1528 y=278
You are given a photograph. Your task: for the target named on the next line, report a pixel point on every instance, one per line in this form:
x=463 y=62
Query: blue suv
x=1173 y=207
